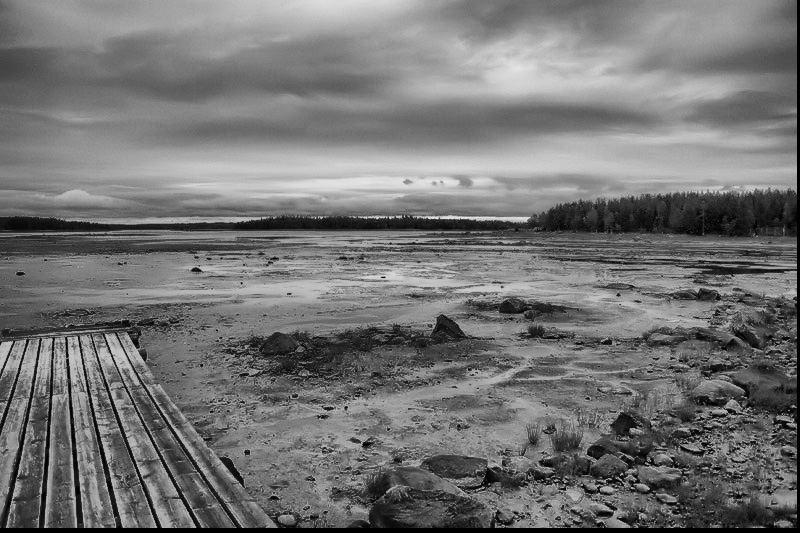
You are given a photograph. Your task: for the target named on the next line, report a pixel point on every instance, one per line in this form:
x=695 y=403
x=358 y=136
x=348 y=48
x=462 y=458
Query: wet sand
x=473 y=396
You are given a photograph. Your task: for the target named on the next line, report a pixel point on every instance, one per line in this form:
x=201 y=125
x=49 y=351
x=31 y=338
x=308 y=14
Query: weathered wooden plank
x=96 y=508
x=131 y=502
x=238 y=502
x=61 y=502
x=11 y=437
x=167 y=504
x=9 y=374
x=201 y=500
x=25 y=509
x=5 y=348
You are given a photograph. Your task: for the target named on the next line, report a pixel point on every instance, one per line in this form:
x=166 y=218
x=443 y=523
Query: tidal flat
x=607 y=324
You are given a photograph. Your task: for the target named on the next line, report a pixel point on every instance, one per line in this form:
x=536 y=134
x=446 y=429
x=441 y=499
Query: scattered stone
x=504 y=516
x=615 y=523
x=447 y=327
x=601 y=447
x=279 y=344
x=659 y=477
x=530 y=314
x=667 y=499
x=707 y=295
x=716 y=392
x=287 y=520
x=733 y=406
x=512 y=306
x=608 y=466
x=626 y=421
x=196 y=269
x=607 y=341
x=542 y=472
x=464 y=471
x=410 y=507
x=607 y=490
x=681 y=433
x=517 y=463
x=20 y=273
x=685 y=294
x=414 y=477
x=590 y=487
x=719 y=413
x=662 y=459
x=660 y=339
x=692 y=448
x=600 y=509
x=788 y=451
x=641 y=488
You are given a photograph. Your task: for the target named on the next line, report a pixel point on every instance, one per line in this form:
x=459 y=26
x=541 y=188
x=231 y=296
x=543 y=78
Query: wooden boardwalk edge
x=88 y=438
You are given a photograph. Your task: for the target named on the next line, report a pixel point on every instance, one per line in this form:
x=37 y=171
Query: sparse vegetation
x=375 y=484
x=534 y=433
x=536 y=331
x=685 y=412
x=567 y=437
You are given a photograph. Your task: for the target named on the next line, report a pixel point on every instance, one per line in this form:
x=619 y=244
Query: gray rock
x=414 y=477
x=733 y=406
x=662 y=459
x=692 y=448
x=504 y=516
x=608 y=466
x=661 y=339
x=600 y=509
x=615 y=523
x=542 y=472
x=287 y=520
x=719 y=413
x=447 y=327
x=517 y=463
x=659 y=477
x=788 y=451
x=667 y=499
x=279 y=344
x=626 y=421
x=607 y=490
x=707 y=295
x=641 y=488
x=465 y=472
x=716 y=392
x=404 y=507
x=512 y=306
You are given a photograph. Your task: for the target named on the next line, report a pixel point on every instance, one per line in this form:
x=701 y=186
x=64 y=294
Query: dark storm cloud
x=746 y=108
x=205 y=107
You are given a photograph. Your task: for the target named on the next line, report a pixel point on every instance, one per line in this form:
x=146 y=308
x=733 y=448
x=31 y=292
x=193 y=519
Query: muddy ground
x=368 y=389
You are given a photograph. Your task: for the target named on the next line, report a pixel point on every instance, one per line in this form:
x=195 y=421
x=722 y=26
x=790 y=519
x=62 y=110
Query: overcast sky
x=487 y=107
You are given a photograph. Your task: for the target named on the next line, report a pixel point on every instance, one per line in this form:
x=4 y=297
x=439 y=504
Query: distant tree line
x=48 y=224
x=287 y=222
x=764 y=212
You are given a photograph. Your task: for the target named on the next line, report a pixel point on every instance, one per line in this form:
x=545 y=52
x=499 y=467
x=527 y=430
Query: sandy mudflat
x=304 y=426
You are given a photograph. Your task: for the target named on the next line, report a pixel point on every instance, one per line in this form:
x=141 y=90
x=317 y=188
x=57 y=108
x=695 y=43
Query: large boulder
x=725 y=339
x=707 y=295
x=626 y=421
x=465 y=472
x=414 y=477
x=716 y=392
x=760 y=377
x=513 y=306
x=602 y=446
x=606 y=445
x=404 y=507
x=660 y=339
x=447 y=328
x=279 y=344
x=608 y=466
x=659 y=477
x=749 y=328
x=685 y=294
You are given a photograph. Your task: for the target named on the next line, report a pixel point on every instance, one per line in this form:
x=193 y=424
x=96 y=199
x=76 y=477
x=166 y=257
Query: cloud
x=244 y=107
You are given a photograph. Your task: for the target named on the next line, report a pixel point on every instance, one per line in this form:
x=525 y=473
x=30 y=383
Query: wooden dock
x=87 y=438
